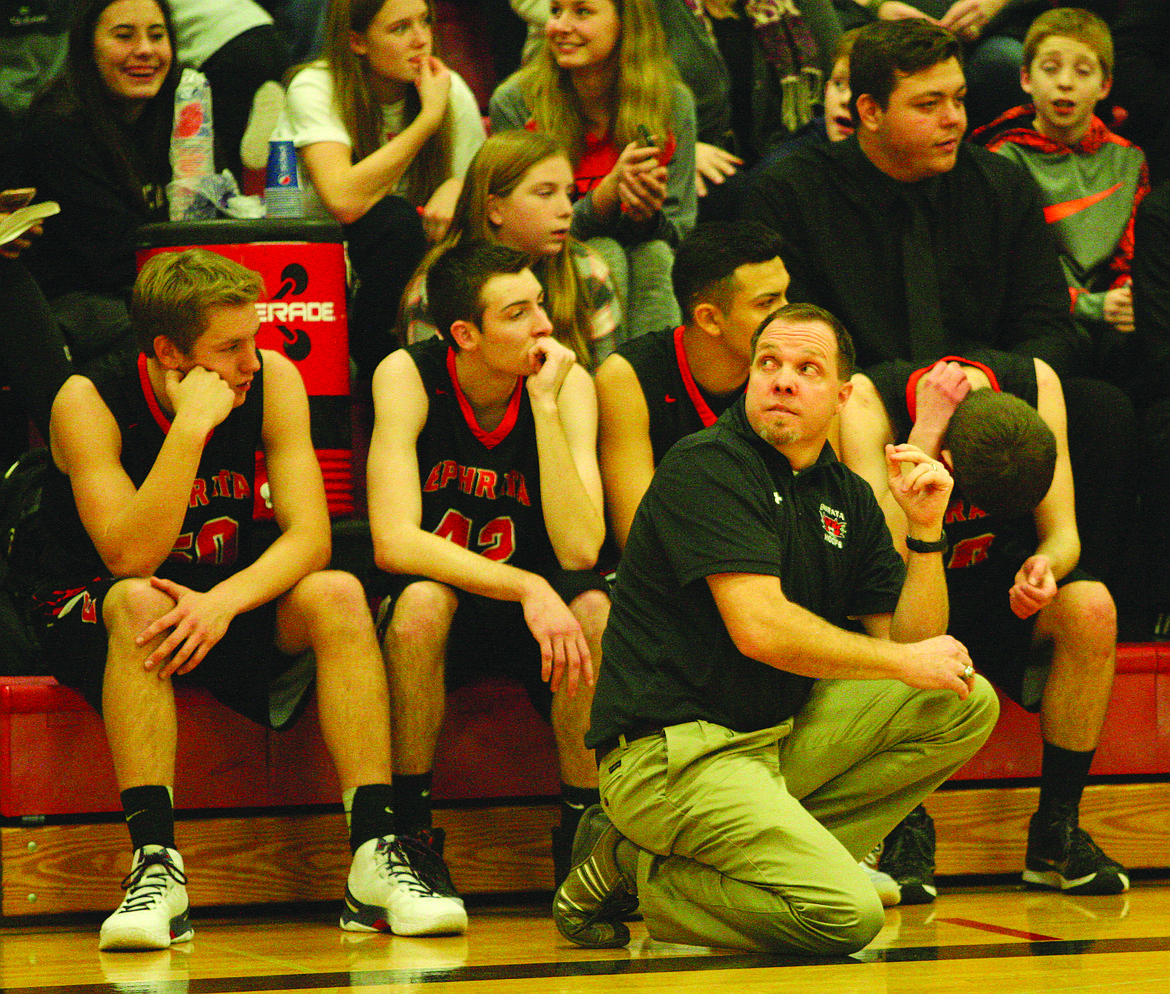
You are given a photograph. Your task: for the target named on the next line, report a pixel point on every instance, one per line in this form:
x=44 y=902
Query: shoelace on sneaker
x=428 y=861
x=148 y=891
x=911 y=843
x=402 y=858
x=428 y=864
x=1083 y=850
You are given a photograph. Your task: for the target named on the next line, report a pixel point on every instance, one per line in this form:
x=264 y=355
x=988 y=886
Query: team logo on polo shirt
x=833 y=522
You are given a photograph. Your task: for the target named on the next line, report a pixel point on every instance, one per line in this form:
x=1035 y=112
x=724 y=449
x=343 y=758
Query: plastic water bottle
x=192 y=148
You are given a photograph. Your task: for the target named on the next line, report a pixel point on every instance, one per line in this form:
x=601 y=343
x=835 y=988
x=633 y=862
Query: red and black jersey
x=975 y=536
x=480 y=489
x=677 y=405
x=217 y=526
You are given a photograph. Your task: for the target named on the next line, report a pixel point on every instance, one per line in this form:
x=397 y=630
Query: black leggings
x=385 y=247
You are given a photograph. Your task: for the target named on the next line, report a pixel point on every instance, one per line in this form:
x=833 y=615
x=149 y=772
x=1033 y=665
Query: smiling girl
x=604 y=88
x=384 y=132
x=97 y=142
x=518 y=192
x=99 y=139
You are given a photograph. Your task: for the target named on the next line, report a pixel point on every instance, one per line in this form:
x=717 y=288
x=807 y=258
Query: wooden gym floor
x=996 y=939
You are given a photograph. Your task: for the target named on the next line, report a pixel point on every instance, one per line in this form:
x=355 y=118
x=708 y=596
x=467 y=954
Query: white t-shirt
x=203 y=27
x=309 y=116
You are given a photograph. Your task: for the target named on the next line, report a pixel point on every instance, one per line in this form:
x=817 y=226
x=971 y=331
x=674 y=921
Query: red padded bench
x=54 y=760
x=254 y=802
x=1134 y=743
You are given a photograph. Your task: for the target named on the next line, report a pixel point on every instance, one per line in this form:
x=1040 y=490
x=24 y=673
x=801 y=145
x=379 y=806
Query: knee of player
x=131 y=605
x=333 y=593
x=1087 y=615
x=591 y=609
x=422 y=614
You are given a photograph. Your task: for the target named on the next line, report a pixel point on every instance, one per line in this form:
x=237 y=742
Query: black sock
x=150 y=816
x=1063 y=775
x=412 y=802
x=371 y=814
x=574 y=801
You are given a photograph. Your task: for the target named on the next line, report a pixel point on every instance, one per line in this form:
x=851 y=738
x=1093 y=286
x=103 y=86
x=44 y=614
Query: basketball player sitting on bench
x=485 y=502
x=147 y=582
x=1036 y=624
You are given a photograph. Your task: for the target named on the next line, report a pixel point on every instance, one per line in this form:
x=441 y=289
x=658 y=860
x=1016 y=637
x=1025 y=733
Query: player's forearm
x=927 y=434
x=573 y=520
x=138 y=539
x=410 y=550
x=294 y=555
x=1063 y=550
x=923 y=608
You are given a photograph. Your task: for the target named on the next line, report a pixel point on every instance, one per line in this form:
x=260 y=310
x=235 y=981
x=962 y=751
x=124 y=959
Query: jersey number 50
x=496 y=540
x=216 y=543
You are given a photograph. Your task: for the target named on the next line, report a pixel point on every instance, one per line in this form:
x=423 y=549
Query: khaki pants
x=751 y=841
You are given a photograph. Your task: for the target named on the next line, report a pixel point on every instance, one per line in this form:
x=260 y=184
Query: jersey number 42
x=496 y=540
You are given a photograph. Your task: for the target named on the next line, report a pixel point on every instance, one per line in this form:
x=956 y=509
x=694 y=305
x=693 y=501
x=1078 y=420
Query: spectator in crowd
x=990 y=31
x=666 y=384
x=906 y=172
x=929 y=246
x=772 y=60
x=751 y=749
x=33 y=44
x=149 y=579
x=98 y=142
x=1040 y=628
x=236 y=46
x=518 y=192
x=384 y=132
x=836 y=124
x=603 y=87
x=485 y=503
x=1091 y=181
x=745 y=115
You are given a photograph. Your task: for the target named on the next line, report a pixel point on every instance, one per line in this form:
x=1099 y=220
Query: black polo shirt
x=724 y=501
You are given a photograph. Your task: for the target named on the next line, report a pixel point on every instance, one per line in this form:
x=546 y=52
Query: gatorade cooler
x=302 y=315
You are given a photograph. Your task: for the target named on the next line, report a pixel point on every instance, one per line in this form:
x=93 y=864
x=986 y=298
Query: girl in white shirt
x=384 y=132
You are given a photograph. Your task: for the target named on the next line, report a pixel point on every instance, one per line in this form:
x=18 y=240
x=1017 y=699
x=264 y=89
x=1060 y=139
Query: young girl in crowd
x=518 y=191
x=604 y=88
x=98 y=144
x=384 y=132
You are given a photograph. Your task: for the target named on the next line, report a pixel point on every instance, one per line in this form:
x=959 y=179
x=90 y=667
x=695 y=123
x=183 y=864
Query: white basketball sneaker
x=395 y=886
x=153 y=914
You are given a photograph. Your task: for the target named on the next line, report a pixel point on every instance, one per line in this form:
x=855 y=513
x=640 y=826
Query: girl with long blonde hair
x=518 y=192
x=603 y=86
x=384 y=132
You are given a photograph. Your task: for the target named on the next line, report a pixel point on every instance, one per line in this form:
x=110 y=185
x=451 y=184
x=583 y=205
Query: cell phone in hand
x=645 y=139
x=14 y=200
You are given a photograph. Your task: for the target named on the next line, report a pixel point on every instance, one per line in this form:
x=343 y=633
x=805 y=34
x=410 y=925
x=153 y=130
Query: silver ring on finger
x=969 y=673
